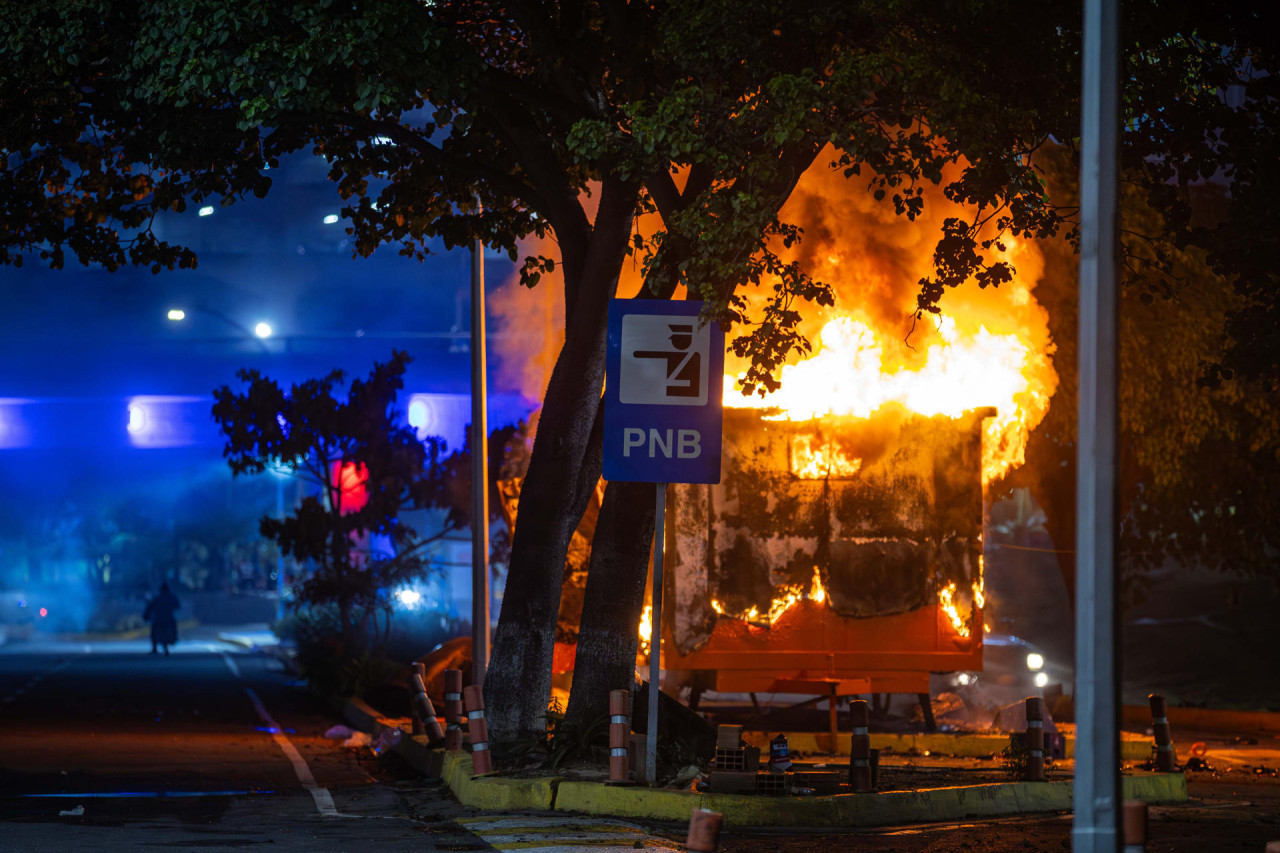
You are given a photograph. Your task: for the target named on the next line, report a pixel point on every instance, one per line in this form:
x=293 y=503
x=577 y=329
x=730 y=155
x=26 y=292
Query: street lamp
x=259 y=332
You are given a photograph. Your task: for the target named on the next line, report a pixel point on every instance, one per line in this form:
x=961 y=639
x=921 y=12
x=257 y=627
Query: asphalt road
x=104 y=746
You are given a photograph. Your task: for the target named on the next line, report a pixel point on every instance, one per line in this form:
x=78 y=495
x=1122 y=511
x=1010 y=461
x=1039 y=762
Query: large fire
x=965 y=369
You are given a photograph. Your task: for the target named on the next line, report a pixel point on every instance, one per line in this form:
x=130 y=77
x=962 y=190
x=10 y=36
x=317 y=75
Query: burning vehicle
x=841 y=553
x=838 y=555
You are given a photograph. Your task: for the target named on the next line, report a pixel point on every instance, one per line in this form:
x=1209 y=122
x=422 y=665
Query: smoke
x=529 y=325
x=529 y=322
x=874 y=260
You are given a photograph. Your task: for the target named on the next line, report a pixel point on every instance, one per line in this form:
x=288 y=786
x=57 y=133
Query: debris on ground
x=339 y=732
x=384 y=741
x=357 y=740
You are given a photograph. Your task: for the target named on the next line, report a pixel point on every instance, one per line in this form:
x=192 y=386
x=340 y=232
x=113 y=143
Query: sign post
x=662 y=424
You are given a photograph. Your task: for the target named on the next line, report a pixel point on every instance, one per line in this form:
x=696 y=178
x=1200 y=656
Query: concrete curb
x=1133 y=747
x=1206 y=718
x=842 y=810
x=233 y=640
x=496 y=793
x=854 y=810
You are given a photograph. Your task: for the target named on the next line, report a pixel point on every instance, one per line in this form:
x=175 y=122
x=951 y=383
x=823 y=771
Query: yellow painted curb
x=1133 y=747
x=849 y=810
x=842 y=810
x=494 y=792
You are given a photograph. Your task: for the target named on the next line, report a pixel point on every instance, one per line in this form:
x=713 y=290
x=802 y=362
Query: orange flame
x=816 y=592
x=991 y=347
x=947 y=603
x=809 y=462
x=848 y=375
x=788 y=596
x=646 y=626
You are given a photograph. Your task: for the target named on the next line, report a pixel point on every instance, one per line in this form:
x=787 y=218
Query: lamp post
x=479 y=472
x=279 y=474
x=1097 y=792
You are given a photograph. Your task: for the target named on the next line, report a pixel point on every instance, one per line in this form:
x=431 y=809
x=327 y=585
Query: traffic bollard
x=453 y=716
x=1035 y=739
x=1134 y=825
x=704 y=831
x=481 y=761
x=619 y=737
x=859 y=746
x=1166 y=756
x=424 y=711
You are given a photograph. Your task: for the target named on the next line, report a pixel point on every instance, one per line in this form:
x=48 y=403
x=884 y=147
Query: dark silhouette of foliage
x=315 y=434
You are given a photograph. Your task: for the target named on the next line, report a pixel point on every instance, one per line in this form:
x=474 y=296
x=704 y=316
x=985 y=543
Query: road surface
x=105 y=746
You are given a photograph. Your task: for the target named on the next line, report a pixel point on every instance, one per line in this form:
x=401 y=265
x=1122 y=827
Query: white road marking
x=231 y=665
x=324 y=800
x=36 y=679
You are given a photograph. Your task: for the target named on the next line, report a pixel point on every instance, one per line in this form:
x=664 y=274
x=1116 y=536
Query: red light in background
x=44 y=611
x=351 y=478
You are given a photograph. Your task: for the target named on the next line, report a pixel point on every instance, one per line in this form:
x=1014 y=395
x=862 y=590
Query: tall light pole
x=279 y=551
x=1097 y=779
x=479 y=472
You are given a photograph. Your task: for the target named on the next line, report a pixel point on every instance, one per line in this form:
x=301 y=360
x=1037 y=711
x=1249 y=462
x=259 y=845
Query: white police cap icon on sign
x=664 y=361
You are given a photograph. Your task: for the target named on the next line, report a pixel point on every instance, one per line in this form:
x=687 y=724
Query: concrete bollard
x=481 y=761
x=619 y=737
x=704 y=831
x=453 y=716
x=1035 y=739
x=860 y=746
x=1134 y=826
x=1166 y=756
x=423 y=711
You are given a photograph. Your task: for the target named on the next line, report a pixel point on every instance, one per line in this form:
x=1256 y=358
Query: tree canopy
x=368 y=465
x=453 y=120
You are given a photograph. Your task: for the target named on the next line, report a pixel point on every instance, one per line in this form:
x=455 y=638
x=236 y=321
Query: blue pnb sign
x=663 y=389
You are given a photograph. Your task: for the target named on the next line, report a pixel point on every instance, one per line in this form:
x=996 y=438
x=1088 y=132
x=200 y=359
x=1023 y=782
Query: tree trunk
x=607 y=639
x=563 y=470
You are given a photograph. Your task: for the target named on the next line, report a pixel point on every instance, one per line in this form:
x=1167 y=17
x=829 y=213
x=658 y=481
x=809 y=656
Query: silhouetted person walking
x=161 y=613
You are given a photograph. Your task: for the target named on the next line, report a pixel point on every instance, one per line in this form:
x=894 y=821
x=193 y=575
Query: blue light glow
x=14 y=430
x=137 y=418
x=443 y=415
x=164 y=421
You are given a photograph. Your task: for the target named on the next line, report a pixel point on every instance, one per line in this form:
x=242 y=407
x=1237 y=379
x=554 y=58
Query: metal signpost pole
x=1097 y=779
x=479 y=473
x=662 y=424
x=655 y=638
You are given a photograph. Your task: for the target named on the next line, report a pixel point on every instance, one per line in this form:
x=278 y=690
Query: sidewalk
x=908 y=804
